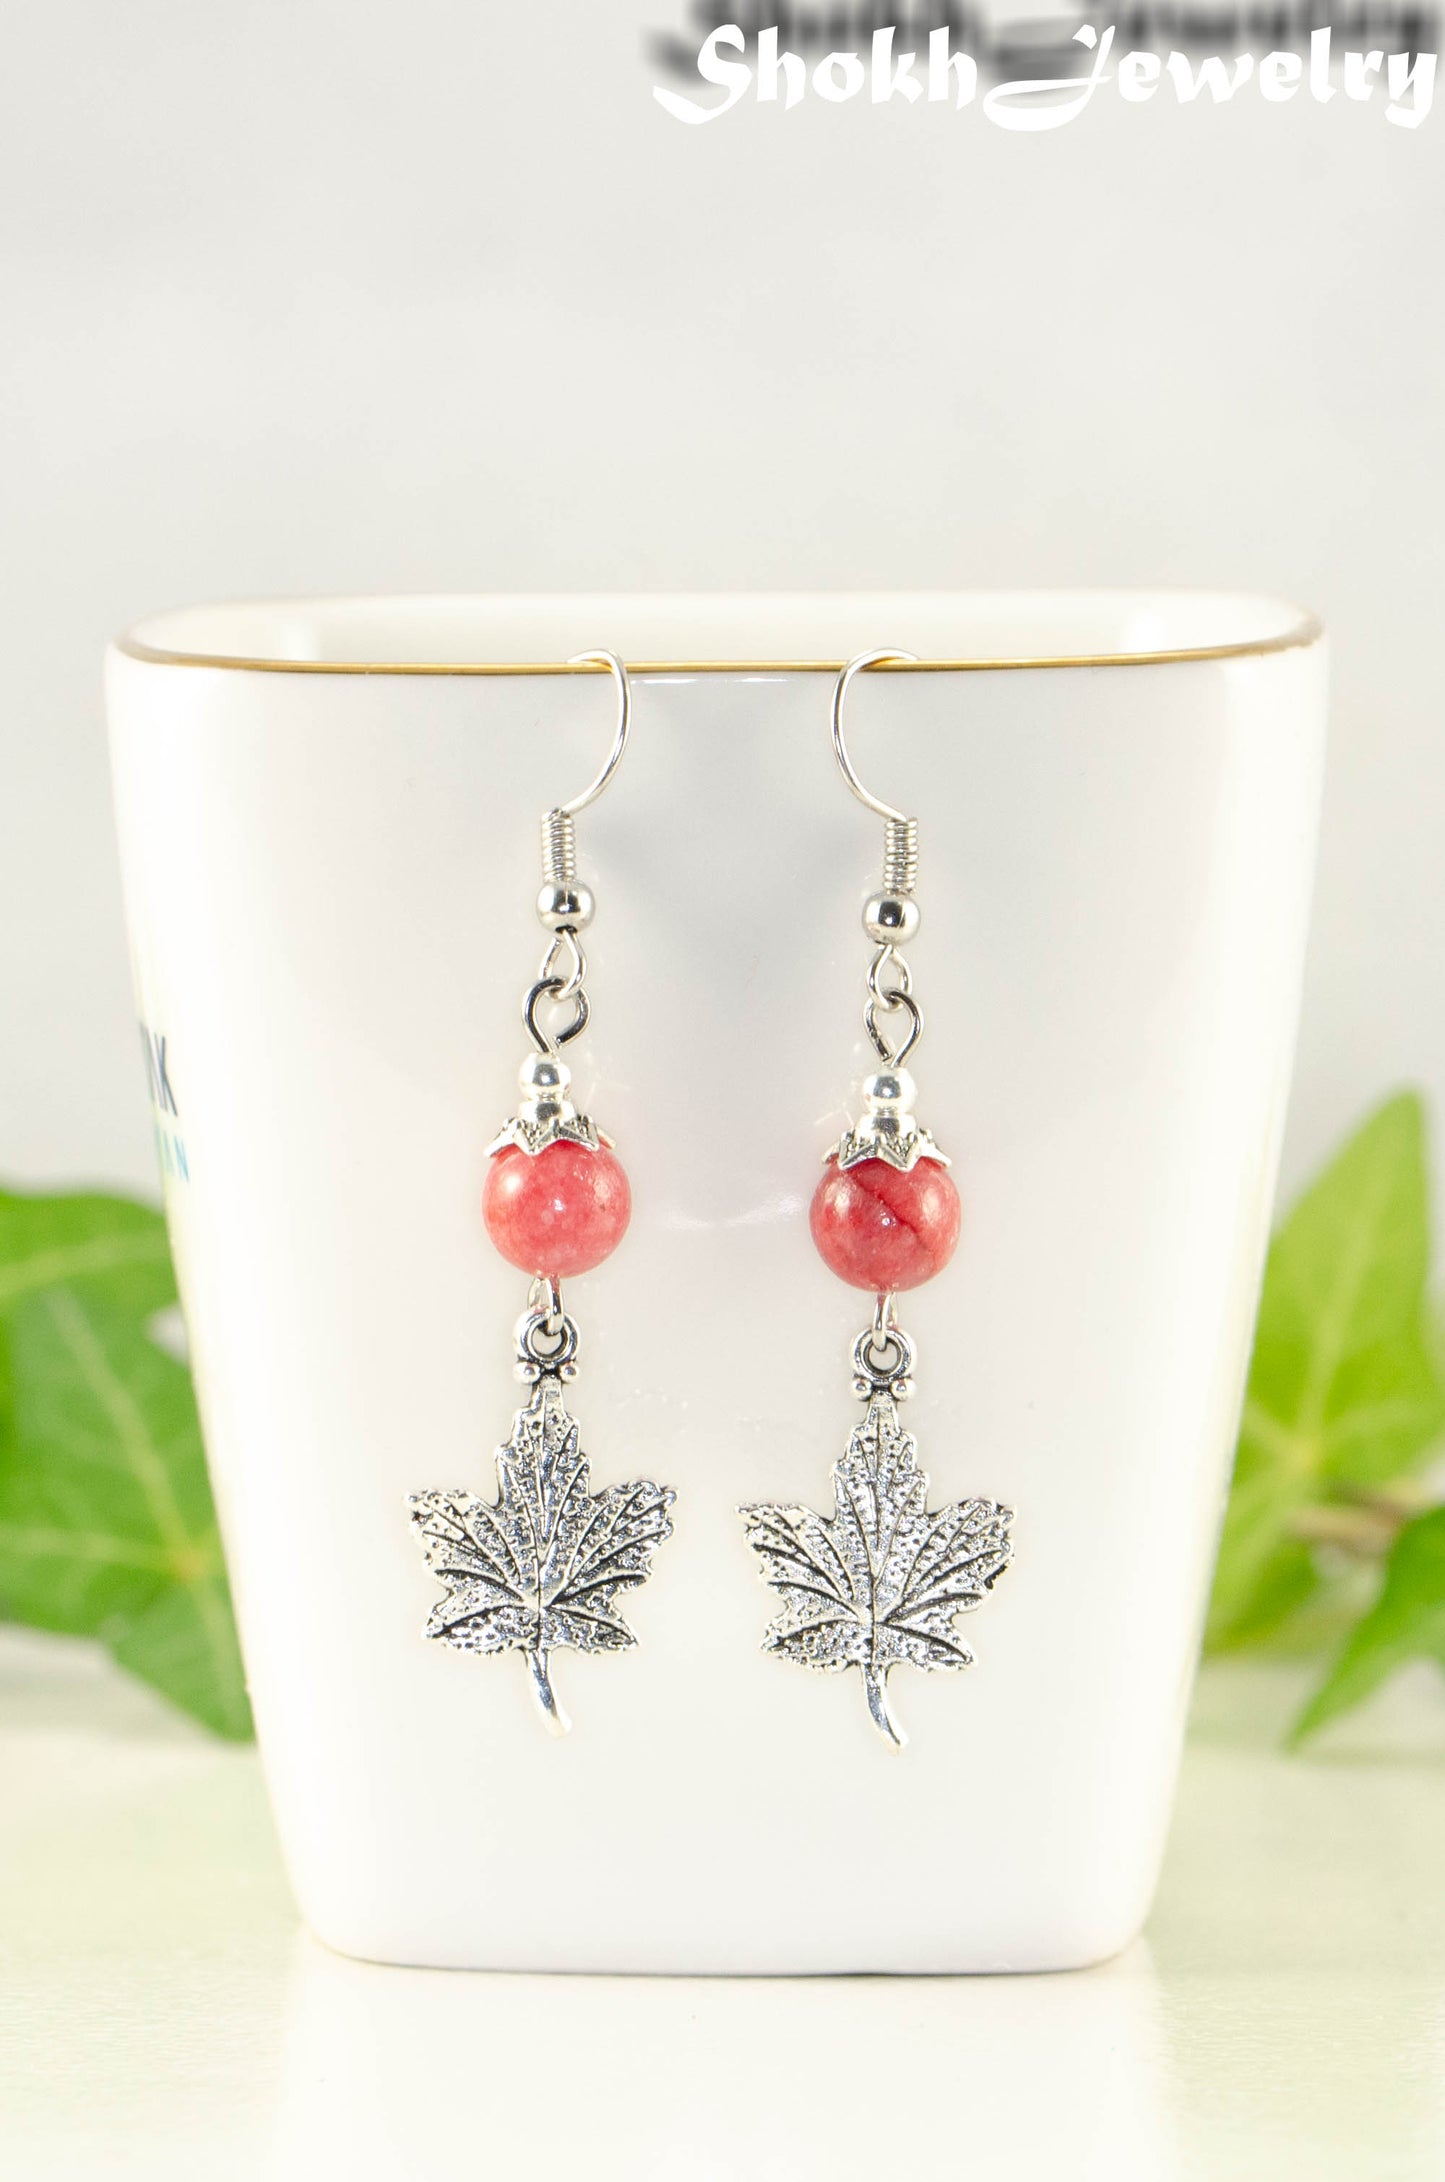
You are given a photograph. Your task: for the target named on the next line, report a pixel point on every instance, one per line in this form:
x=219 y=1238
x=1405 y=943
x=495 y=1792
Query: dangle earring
x=883 y=1580
x=539 y=1568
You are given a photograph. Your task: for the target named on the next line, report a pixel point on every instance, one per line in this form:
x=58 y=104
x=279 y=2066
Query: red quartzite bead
x=882 y=1229
x=559 y=1211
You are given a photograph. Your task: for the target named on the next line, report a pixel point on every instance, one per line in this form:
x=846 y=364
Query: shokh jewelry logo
x=1374 y=53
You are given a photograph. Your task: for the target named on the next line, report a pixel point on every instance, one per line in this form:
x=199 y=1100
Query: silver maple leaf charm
x=883 y=1580
x=540 y=1567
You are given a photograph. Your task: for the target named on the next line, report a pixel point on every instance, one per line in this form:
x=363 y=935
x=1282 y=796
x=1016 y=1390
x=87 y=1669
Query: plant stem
x=1367 y=1528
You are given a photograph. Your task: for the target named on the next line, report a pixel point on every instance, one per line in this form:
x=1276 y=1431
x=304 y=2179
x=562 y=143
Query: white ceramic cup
x=328 y=817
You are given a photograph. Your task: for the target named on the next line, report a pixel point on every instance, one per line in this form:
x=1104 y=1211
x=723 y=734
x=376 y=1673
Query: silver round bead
x=891 y=1090
x=542 y=1075
x=890 y=919
x=565 y=906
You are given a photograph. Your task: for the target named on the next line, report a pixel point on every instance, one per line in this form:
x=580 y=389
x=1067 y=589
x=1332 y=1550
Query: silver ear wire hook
x=560 y=891
x=900 y=833
x=565 y=905
x=890 y=917
x=619 y=674
x=886 y=658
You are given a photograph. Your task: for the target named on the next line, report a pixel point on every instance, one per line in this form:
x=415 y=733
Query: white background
x=339 y=296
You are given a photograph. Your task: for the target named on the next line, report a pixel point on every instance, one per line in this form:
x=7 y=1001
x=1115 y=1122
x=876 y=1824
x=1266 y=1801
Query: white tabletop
x=162 y=2015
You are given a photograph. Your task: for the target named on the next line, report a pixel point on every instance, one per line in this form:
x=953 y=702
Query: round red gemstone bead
x=880 y=1228
x=559 y=1211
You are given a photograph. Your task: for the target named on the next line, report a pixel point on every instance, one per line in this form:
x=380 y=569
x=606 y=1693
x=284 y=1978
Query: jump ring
x=884 y=1362
x=543 y=1343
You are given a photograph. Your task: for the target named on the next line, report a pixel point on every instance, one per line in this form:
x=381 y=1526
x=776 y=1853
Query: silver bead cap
x=888 y=1129
x=546 y=1114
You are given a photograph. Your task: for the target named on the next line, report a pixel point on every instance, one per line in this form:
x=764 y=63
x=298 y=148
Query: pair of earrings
x=540 y=1568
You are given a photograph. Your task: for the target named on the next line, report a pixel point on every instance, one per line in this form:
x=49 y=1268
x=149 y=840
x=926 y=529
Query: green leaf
x=1406 y=1622
x=106 y=1247
x=107 y=1527
x=1284 y=1583
x=1345 y=1388
x=7 y=1398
